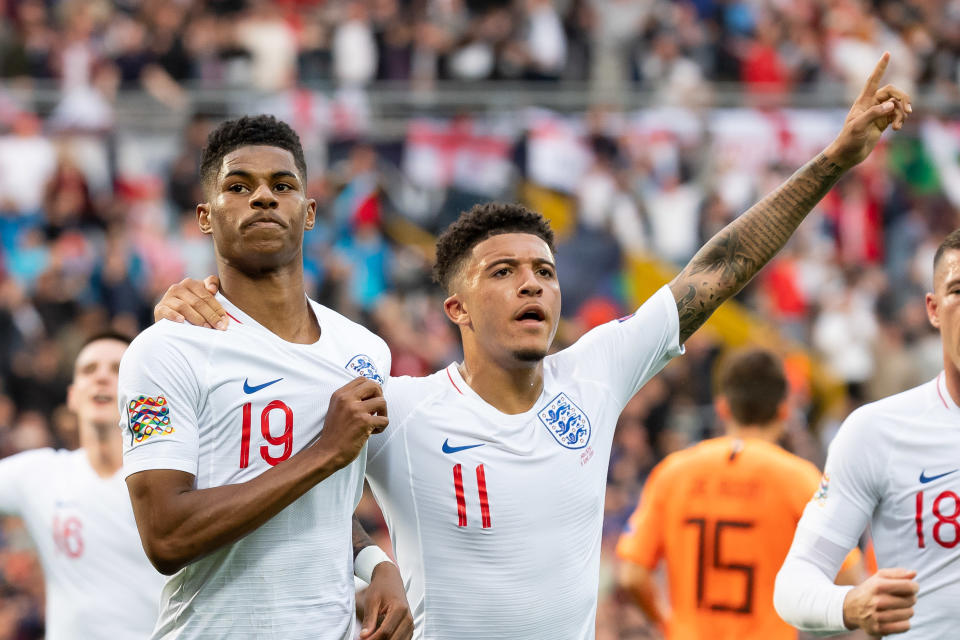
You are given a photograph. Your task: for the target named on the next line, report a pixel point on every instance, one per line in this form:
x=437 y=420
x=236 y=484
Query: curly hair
x=244 y=132
x=480 y=223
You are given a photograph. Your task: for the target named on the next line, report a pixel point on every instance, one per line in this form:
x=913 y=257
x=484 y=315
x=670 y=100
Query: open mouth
x=531 y=315
x=102 y=398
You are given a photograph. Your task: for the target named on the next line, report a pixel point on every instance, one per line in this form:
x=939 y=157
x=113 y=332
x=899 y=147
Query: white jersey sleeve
x=854 y=481
x=624 y=354
x=804 y=594
x=16 y=473
x=832 y=522
x=160 y=398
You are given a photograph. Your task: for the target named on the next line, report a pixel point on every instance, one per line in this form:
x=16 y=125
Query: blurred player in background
x=893 y=464
x=255 y=548
x=493 y=474
x=721 y=515
x=75 y=505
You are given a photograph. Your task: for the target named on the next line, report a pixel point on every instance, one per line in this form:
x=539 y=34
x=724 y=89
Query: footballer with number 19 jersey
x=895 y=463
x=496 y=519
x=225 y=407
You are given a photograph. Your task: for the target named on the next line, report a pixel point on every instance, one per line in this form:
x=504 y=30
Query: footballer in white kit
x=100 y=585
x=894 y=464
x=492 y=473
x=496 y=519
x=225 y=407
x=75 y=505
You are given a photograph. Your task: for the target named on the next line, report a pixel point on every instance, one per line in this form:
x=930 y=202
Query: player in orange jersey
x=722 y=514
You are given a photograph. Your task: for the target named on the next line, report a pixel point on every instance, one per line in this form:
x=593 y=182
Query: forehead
x=258 y=160
x=107 y=351
x=524 y=247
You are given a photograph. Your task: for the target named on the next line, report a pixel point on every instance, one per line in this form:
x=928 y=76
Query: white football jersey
x=99 y=582
x=225 y=407
x=895 y=463
x=496 y=519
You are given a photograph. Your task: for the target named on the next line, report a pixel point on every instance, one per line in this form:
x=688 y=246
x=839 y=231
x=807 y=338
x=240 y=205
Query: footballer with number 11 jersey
x=507 y=510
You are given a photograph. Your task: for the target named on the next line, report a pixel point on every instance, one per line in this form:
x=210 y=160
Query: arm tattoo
x=738 y=251
x=360 y=538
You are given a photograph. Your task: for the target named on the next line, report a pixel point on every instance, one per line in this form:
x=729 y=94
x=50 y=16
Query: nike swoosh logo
x=248 y=389
x=448 y=449
x=924 y=479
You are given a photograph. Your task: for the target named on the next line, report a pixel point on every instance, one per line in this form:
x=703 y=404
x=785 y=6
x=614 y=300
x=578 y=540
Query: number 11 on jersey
x=461 y=499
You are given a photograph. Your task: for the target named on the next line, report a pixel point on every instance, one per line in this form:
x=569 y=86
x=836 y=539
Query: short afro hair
x=480 y=223
x=245 y=132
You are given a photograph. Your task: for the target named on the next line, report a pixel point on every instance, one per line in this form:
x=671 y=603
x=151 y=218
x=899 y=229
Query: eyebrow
x=276 y=174
x=514 y=262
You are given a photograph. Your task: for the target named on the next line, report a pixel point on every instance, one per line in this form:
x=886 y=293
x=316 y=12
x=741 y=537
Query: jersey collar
x=944 y=394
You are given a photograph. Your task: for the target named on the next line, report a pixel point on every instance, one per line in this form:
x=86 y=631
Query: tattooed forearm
x=360 y=538
x=732 y=257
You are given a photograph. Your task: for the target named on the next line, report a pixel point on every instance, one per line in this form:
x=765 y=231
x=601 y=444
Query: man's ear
x=933 y=313
x=456 y=310
x=203 y=218
x=722 y=407
x=311 y=214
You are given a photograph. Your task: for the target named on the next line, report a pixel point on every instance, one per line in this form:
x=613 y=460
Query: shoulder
x=406 y=394
x=343 y=325
x=35 y=460
x=872 y=420
x=169 y=337
x=789 y=467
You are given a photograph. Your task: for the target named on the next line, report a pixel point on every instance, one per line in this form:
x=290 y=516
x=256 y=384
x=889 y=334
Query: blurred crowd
x=96 y=222
x=671 y=47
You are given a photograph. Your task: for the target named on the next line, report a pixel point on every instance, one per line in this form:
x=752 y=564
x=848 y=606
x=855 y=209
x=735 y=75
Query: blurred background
x=638 y=127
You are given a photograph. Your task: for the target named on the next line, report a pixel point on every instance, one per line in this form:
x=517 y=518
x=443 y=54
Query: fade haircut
x=246 y=132
x=476 y=225
x=754 y=384
x=950 y=243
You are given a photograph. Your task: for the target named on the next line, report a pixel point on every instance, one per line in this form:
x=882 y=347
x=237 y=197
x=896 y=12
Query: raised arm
x=738 y=251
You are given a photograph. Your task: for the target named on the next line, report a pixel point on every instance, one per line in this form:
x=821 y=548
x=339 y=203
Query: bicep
x=153 y=494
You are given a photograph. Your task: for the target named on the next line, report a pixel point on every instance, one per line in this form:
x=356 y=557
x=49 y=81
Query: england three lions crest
x=566 y=421
x=362 y=365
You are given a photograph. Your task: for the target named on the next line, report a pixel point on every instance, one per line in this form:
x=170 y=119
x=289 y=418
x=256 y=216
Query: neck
x=767 y=433
x=103 y=446
x=510 y=391
x=275 y=299
x=951 y=376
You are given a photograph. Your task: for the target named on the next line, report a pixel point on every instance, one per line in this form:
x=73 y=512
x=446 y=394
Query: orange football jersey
x=722 y=514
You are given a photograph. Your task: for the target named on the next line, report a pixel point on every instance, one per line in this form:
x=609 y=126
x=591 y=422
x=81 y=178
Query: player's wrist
x=850 y=620
x=367 y=562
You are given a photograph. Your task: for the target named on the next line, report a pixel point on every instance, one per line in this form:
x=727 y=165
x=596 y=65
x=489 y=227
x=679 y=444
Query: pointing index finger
x=873 y=82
